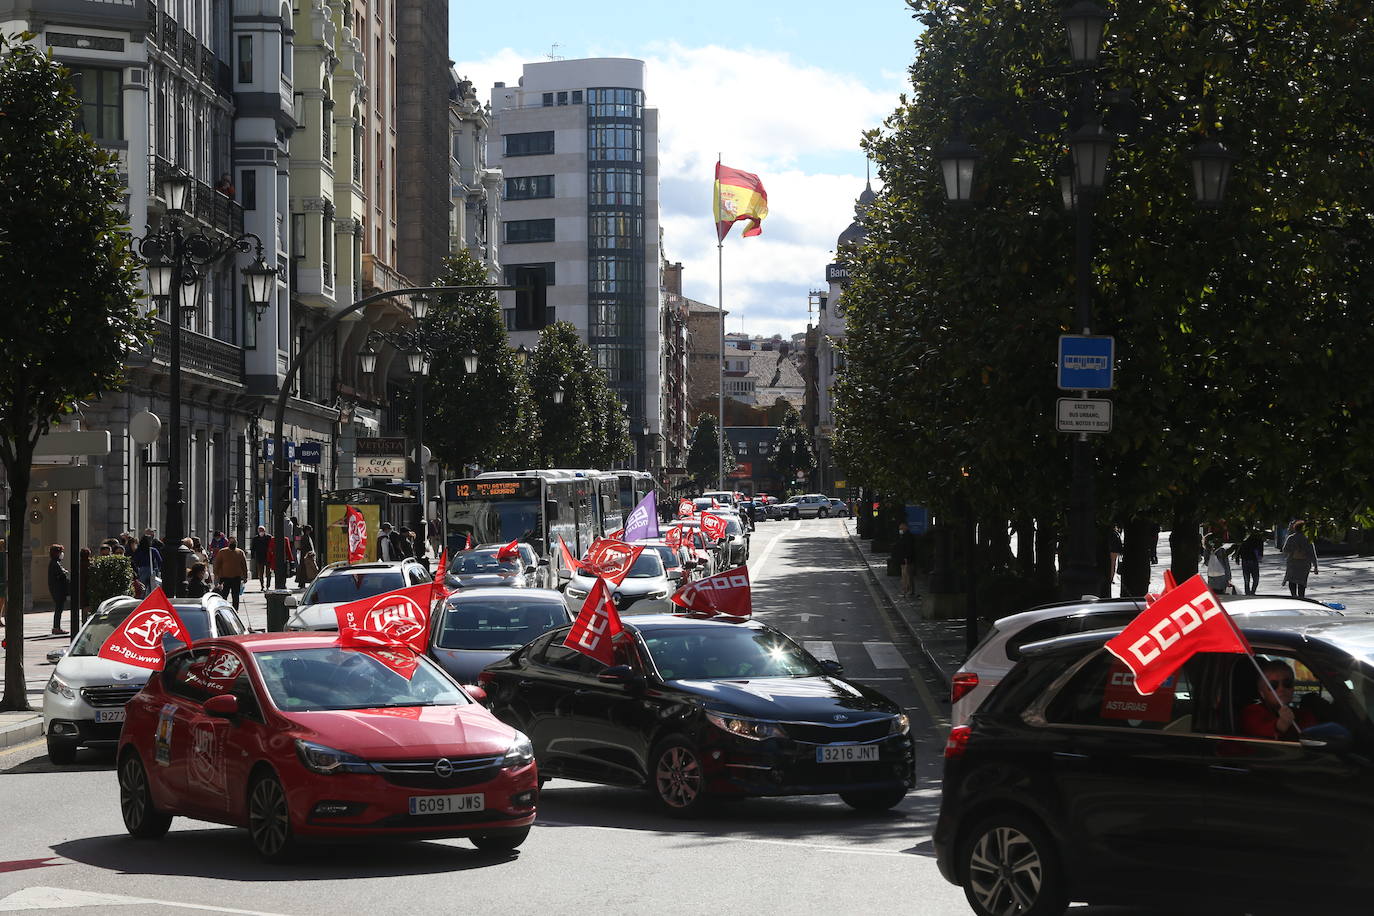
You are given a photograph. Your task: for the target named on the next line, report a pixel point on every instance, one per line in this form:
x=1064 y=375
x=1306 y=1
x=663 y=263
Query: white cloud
x=764 y=112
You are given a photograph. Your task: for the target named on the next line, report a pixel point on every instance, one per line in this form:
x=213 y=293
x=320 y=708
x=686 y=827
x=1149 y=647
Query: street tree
x=68 y=288
x=793 y=457
x=588 y=429
x=1241 y=333
x=703 y=455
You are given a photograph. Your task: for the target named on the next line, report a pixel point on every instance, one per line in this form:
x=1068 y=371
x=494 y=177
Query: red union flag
x=438 y=592
x=713 y=525
x=1182 y=622
x=395 y=654
x=685 y=509
x=138 y=640
x=725 y=594
x=569 y=562
x=402 y=614
x=673 y=538
x=596 y=627
x=611 y=560
x=357 y=534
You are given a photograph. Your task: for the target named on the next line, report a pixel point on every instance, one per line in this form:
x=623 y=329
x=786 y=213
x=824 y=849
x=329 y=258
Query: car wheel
x=874 y=801
x=677 y=778
x=500 y=842
x=794 y=515
x=1009 y=865
x=269 y=819
x=141 y=819
x=824 y=513
x=61 y=753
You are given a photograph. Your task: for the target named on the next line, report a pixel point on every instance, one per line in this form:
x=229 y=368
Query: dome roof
x=856 y=233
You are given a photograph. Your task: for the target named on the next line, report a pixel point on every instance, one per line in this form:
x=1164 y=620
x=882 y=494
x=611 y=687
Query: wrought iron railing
x=202 y=354
x=213 y=209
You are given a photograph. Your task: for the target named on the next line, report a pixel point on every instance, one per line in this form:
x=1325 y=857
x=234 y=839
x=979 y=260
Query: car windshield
x=497 y=623
x=732 y=526
x=331 y=677
x=339 y=587
x=726 y=653
x=669 y=557
x=100 y=626
x=476 y=562
x=647 y=565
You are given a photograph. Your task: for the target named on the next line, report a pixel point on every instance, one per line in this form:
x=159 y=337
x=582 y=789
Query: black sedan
x=695 y=708
x=477 y=626
x=483 y=566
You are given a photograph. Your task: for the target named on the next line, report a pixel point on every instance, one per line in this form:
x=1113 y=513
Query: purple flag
x=643 y=521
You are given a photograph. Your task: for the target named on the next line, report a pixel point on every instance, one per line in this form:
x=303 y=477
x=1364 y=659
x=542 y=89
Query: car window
x=1062 y=626
x=647 y=565
x=569 y=661
x=1102 y=694
x=669 y=557
x=351 y=586
x=1321 y=693
x=200 y=674
x=728 y=653
x=474 y=563
x=496 y=623
x=227 y=623
x=333 y=677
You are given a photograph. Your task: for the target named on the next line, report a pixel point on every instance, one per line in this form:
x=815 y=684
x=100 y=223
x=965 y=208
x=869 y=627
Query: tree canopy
x=703 y=456
x=589 y=428
x=793 y=456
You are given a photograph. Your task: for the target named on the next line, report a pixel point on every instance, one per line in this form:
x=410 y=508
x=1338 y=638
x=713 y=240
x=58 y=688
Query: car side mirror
x=565 y=575
x=543 y=561
x=291 y=601
x=621 y=674
x=1332 y=737
x=222 y=705
x=831 y=667
x=477 y=693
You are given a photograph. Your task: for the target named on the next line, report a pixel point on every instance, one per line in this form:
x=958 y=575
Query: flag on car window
x=685 y=509
x=138 y=640
x=509 y=552
x=403 y=614
x=1183 y=621
x=611 y=560
x=725 y=594
x=569 y=561
x=438 y=590
x=597 y=626
x=395 y=654
x=713 y=525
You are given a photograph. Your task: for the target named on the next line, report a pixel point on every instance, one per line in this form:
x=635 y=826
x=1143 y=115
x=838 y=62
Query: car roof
x=502 y=591
x=1234 y=604
x=1356 y=634
x=374 y=566
x=649 y=624
x=261 y=642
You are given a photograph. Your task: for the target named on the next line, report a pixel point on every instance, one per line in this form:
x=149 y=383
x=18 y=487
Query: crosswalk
x=881 y=656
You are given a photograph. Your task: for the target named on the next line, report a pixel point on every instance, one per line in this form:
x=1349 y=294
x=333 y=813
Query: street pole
x=420 y=533
x=720 y=367
x=176 y=498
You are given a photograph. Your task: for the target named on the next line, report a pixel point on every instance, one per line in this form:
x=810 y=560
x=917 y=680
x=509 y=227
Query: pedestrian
x=1250 y=551
x=197 y=581
x=217 y=543
x=1115 y=548
x=1218 y=567
x=434 y=533
x=286 y=561
x=408 y=544
x=386 y=544
x=147 y=563
x=105 y=549
x=225 y=186
x=1301 y=558
x=305 y=541
x=231 y=568
x=258 y=551
x=904 y=552
x=307 y=569
x=59 y=586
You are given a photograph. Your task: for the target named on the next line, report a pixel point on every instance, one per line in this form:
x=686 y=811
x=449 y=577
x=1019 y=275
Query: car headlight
x=901 y=725
x=753 y=729
x=61 y=688
x=574 y=592
x=321 y=759
x=519 y=754
x=661 y=593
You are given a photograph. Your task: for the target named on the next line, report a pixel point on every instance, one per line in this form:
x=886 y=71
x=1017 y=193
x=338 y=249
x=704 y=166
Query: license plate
x=447 y=804
x=846 y=753
x=109 y=715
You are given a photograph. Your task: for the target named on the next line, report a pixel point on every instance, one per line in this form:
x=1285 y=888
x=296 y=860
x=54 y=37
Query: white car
x=83 y=704
x=340 y=583
x=810 y=505
x=646 y=579
x=992 y=658
x=724 y=497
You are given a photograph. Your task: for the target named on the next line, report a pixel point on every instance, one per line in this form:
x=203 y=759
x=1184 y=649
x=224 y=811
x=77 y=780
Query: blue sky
x=782 y=89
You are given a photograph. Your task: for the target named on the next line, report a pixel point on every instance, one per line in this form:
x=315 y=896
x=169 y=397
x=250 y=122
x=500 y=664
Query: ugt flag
x=739 y=196
x=356 y=529
x=726 y=594
x=138 y=640
x=1173 y=628
x=643 y=521
x=596 y=627
x=402 y=614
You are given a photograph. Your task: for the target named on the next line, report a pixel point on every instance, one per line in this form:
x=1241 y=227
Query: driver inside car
x=1261 y=720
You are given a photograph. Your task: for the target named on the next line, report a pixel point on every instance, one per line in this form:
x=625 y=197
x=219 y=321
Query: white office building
x=578 y=153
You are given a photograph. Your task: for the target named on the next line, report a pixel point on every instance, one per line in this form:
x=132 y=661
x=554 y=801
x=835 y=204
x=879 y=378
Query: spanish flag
x=739 y=195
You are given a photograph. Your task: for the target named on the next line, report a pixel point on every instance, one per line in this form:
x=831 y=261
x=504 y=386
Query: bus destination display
x=493 y=489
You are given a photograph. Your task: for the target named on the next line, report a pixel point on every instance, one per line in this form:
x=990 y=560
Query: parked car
x=839 y=508
x=84 y=702
x=646 y=579
x=481 y=567
x=735 y=544
x=297 y=737
x=810 y=505
x=672 y=558
x=699 y=708
x=1000 y=648
x=1068 y=785
x=340 y=583
x=534 y=572
x=723 y=497
x=477 y=626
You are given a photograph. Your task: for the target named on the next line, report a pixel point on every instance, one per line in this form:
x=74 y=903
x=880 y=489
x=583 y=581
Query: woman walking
x=59 y=586
x=1301 y=557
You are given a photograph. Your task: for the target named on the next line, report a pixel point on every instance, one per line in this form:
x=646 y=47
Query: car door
x=201 y=754
x=545 y=680
x=1130 y=772
x=611 y=723
x=173 y=745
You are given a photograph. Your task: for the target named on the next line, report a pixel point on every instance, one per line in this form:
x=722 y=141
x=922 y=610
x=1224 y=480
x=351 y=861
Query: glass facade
x=616 y=284
x=102 y=109
x=529 y=230
x=530 y=187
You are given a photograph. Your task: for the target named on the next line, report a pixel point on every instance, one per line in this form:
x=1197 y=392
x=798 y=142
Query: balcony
x=199 y=353
x=209 y=207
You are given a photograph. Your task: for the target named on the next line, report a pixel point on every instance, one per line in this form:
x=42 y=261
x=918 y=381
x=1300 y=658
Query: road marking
x=822 y=648
x=756 y=572
x=52 y=898
x=819 y=847
x=796 y=526
x=884 y=655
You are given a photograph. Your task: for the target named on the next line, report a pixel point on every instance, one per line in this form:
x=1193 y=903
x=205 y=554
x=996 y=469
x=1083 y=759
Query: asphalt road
x=63 y=844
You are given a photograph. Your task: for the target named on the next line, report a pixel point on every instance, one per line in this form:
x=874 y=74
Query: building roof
x=856 y=232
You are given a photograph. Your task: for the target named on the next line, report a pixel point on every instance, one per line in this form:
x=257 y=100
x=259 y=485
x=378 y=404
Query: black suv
x=1068 y=785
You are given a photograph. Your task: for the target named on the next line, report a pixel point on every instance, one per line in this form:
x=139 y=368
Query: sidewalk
x=1347 y=581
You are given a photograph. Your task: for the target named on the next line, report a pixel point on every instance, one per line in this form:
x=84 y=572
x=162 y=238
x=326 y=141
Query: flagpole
x=720 y=356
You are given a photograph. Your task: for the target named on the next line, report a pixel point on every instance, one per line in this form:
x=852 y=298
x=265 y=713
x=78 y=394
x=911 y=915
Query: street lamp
x=470 y=362
x=521 y=355
x=1211 y=170
x=419 y=307
x=958 y=162
x=1090 y=146
x=558 y=394
x=415 y=362
x=174 y=260
x=367 y=359
x=1085 y=23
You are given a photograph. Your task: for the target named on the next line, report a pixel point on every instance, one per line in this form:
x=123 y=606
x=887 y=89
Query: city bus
x=535 y=506
x=634 y=486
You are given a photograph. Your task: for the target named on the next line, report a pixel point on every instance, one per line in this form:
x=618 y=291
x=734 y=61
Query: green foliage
x=68 y=285
x=110 y=576
x=703 y=456
x=1242 y=334
x=589 y=429
x=480 y=418
x=793 y=455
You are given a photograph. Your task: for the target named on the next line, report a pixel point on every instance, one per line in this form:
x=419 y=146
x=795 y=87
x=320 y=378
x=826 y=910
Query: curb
x=21 y=732
x=931 y=664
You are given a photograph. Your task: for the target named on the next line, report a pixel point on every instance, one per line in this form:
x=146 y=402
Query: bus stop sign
x=1085 y=362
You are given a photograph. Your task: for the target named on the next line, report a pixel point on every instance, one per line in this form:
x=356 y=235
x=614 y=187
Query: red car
x=295 y=736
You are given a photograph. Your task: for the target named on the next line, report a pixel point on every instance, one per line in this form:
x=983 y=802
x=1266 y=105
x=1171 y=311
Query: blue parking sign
x=1085 y=362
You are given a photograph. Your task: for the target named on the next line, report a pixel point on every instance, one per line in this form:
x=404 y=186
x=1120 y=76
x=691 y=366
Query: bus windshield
x=493 y=511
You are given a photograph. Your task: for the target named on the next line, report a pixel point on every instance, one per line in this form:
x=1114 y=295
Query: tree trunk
x=16 y=696
x=1140 y=535
x=997 y=539
x=1185 y=544
x=1046 y=539
x=1025 y=548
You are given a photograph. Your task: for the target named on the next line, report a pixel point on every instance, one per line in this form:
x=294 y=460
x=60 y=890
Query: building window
x=621 y=186
x=615 y=103
x=531 y=310
x=529 y=230
x=102 y=106
x=562 y=98
x=248 y=189
x=577 y=96
x=297 y=235
x=535 y=143
x=619 y=144
x=298 y=105
x=245 y=58
x=548 y=99
x=250 y=321
x=532 y=187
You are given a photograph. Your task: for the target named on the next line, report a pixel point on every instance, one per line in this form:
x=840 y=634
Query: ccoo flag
x=739 y=195
x=643 y=521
